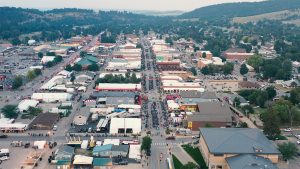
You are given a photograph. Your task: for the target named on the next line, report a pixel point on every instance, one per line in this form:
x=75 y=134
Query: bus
x=169 y=164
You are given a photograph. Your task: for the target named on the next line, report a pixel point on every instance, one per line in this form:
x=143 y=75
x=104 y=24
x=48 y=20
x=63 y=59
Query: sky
x=153 y=5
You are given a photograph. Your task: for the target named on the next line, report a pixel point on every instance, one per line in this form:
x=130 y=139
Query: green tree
x=37 y=72
x=244 y=125
x=271 y=123
x=228 y=68
x=40 y=54
x=243 y=69
x=255 y=61
x=271 y=92
x=288 y=150
x=248 y=109
x=83 y=54
x=194 y=71
x=189 y=165
x=34 y=111
x=69 y=68
x=49 y=64
x=77 y=67
x=16 y=41
x=50 y=54
x=93 y=67
x=58 y=59
x=10 y=111
x=18 y=82
x=205 y=70
x=204 y=54
x=146 y=144
x=236 y=101
x=30 y=75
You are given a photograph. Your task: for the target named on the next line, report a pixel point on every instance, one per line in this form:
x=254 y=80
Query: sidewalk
x=182 y=155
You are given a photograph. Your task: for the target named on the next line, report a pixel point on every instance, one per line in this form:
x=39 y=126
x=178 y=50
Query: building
x=63 y=157
x=237 y=56
x=51 y=97
x=125 y=126
x=248 y=85
x=47 y=59
x=25 y=104
x=175 y=86
x=196 y=96
x=110 y=150
x=102 y=163
x=209 y=55
x=168 y=65
x=44 y=121
x=249 y=161
x=233 y=148
x=87 y=61
x=118 y=87
x=81 y=161
x=210 y=113
x=81 y=118
x=224 y=85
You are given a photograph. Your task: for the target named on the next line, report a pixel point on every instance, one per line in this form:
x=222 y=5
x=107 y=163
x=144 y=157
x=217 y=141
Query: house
x=234 y=148
x=125 y=126
x=248 y=85
x=216 y=114
x=63 y=157
x=102 y=163
x=44 y=121
x=230 y=99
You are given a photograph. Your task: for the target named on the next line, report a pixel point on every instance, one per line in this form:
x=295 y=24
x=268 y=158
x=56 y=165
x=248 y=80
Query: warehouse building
x=125 y=126
x=51 y=97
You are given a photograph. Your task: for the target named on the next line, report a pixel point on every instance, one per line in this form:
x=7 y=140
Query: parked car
x=54 y=128
x=3 y=136
x=26 y=145
x=288 y=130
x=298 y=142
x=170 y=138
x=3 y=158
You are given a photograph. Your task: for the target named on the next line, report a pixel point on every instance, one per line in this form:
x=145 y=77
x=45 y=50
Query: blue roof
x=237 y=141
x=102 y=148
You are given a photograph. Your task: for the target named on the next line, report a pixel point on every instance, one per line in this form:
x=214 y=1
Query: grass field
x=177 y=163
x=196 y=155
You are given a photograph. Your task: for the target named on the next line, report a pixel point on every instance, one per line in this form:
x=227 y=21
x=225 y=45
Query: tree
x=58 y=59
x=228 y=68
x=83 y=54
x=16 y=41
x=77 y=67
x=244 y=125
x=40 y=54
x=236 y=101
x=189 y=165
x=37 y=72
x=205 y=70
x=255 y=61
x=146 y=143
x=288 y=150
x=10 y=111
x=271 y=92
x=30 y=75
x=271 y=123
x=18 y=82
x=194 y=71
x=243 y=69
x=247 y=109
x=49 y=64
x=204 y=54
x=69 y=68
x=50 y=53
x=93 y=67
x=34 y=111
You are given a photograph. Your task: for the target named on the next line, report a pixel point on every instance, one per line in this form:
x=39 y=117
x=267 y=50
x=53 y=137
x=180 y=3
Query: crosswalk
x=163 y=144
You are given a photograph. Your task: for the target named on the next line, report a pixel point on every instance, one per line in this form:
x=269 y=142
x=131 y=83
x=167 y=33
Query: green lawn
x=177 y=163
x=196 y=155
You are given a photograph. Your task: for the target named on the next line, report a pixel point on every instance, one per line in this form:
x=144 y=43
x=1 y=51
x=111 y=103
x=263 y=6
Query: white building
x=51 y=97
x=174 y=86
x=118 y=87
x=47 y=59
x=25 y=104
x=125 y=125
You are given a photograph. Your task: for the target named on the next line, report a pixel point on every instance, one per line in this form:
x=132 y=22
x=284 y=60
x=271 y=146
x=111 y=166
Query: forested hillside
x=230 y=10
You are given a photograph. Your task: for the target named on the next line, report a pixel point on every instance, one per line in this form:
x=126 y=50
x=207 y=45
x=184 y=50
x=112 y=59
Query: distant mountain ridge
x=241 y=9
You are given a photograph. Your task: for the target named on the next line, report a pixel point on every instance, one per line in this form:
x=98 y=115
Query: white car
x=4 y=158
x=288 y=130
x=298 y=142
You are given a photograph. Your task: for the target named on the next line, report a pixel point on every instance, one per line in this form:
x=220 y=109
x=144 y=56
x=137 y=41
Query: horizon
x=127 y=5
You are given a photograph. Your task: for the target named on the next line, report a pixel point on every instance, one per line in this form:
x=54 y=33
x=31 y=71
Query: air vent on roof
x=257 y=149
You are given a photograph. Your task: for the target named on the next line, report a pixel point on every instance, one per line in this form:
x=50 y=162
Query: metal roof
x=250 y=161
x=237 y=141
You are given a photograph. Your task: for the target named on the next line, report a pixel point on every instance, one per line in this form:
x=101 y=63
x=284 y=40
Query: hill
x=242 y=9
x=286 y=16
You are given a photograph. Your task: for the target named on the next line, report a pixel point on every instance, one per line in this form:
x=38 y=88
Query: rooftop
x=237 y=141
x=250 y=161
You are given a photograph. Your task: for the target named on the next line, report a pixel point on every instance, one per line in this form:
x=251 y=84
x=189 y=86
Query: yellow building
x=237 y=148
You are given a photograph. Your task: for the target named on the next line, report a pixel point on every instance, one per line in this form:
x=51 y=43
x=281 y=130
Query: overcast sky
x=160 y=5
